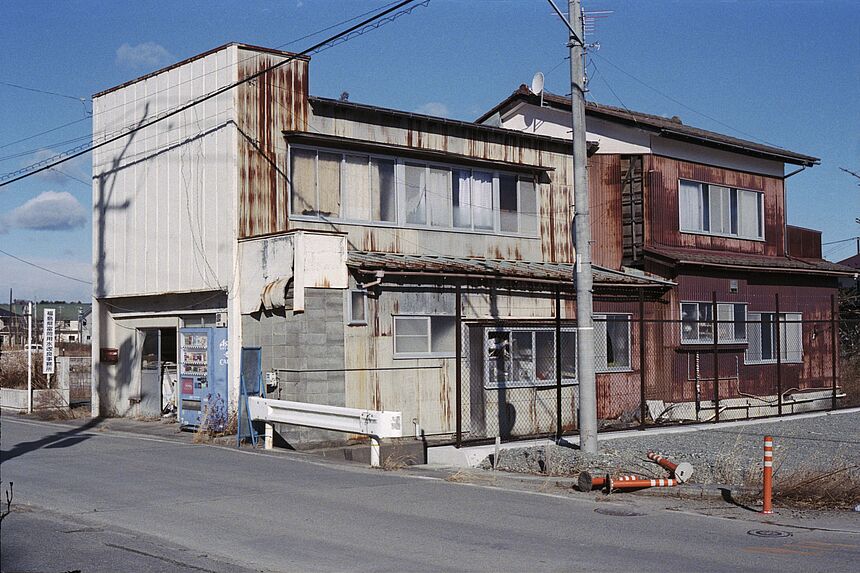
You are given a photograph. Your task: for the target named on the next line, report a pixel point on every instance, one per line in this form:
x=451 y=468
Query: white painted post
x=29 y=357
x=374 y=452
x=269 y=439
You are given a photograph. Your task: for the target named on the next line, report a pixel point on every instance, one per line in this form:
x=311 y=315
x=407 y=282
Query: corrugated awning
x=524 y=271
x=747 y=262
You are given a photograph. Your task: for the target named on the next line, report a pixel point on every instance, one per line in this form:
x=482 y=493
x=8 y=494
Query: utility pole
x=29 y=357
x=582 y=233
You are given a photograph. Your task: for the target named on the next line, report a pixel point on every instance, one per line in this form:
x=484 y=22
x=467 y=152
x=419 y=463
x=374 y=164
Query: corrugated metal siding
x=604 y=186
x=803 y=243
x=554 y=192
x=163 y=195
x=662 y=207
x=268 y=105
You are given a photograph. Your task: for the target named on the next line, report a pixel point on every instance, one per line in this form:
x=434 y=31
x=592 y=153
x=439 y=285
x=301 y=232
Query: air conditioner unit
x=221 y=319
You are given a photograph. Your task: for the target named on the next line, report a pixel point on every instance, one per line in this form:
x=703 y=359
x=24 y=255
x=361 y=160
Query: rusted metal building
x=367 y=251
x=753 y=301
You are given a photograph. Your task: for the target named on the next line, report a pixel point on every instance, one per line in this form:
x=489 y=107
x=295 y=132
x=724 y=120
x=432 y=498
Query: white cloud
x=49 y=211
x=147 y=55
x=434 y=108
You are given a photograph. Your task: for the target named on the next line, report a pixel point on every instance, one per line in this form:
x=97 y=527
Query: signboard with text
x=49 y=332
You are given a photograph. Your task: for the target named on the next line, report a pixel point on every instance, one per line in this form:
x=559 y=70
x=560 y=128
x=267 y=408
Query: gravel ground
x=728 y=455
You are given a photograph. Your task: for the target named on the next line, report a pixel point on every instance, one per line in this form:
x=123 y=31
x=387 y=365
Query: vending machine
x=202 y=388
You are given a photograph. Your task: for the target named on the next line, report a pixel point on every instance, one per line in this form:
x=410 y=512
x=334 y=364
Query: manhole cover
x=617 y=512
x=768 y=533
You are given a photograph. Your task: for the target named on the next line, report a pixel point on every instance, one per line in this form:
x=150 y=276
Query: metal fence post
x=458 y=376
x=642 y=404
x=558 y=428
x=716 y=335
x=778 y=358
x=834 y=354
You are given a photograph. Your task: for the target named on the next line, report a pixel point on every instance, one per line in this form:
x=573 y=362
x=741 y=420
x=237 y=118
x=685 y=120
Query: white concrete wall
x=163 y=197
x=615 y=138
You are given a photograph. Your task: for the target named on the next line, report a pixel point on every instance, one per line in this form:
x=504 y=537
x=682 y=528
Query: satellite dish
x=537 y=83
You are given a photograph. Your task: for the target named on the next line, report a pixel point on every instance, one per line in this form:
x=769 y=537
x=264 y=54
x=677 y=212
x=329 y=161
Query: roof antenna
x=537 y=86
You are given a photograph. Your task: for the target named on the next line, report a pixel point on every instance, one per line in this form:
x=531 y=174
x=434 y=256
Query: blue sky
x=782 y=72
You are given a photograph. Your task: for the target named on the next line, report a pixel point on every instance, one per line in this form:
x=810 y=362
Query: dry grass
x=837 y=488
x=396 y=462
x=462 y=476
x=13 y=370
x=206 y=432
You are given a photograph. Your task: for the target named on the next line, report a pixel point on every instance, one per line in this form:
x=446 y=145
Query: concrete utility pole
x=582 y=227
x=29 y=357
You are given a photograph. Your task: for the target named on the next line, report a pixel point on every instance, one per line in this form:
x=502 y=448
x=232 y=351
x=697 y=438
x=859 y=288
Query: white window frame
x=787 y=321
x=349 y=307
x=600 y=324
x=702 y=221
x=489 y=384
x=721 y=323
x=429 y=353
x=400 y=195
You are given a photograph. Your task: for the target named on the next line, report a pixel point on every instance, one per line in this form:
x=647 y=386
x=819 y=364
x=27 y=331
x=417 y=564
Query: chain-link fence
x=716 y=362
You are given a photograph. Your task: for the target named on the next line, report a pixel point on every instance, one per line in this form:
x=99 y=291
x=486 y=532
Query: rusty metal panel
x=803 y=243
x=604 y=183
x=266 y=106
x=662 y=207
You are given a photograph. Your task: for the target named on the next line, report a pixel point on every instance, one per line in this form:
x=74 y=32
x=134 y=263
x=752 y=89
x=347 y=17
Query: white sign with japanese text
x=49 y=331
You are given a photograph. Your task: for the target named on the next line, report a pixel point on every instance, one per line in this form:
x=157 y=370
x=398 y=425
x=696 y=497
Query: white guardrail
x=371 y=423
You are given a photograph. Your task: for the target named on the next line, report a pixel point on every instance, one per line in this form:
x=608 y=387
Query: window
x=357 y=307
x=718 y=210
x=524 y=357
x=761 y=331
x=612 y=342
x=697 y=323
x=336 y=185
x=424 y=336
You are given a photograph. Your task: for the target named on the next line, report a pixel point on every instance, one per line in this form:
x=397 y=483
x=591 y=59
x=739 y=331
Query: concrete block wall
x=307 y=351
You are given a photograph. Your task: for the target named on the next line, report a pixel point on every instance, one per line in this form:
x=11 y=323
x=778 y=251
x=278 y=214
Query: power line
x=172 y=86
x=44 y=269
x=682 y=104
x=345 y=35
x=840 y=241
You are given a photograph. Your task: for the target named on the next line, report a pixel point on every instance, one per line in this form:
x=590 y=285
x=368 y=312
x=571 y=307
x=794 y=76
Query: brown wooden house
x=706 y=211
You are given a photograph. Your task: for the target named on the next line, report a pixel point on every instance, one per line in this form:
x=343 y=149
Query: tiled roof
x=756 y=262
x=498 y=268
x=669 y=127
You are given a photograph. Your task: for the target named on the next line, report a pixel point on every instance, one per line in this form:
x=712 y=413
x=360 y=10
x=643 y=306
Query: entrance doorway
x=158 y=358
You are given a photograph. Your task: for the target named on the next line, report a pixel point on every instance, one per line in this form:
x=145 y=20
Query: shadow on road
x=64 y=439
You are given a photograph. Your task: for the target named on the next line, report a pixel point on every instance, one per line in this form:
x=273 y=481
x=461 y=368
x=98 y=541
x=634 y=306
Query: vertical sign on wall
x=48 y=328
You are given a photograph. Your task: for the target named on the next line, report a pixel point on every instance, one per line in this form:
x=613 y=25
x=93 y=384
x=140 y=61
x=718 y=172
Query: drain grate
x=617 y=512
x=773 y=533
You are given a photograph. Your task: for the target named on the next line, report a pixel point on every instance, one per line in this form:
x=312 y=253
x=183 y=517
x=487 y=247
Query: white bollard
x=270 y=435
x=374 y=452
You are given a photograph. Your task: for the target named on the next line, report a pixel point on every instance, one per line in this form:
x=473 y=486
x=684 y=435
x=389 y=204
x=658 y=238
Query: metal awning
x=522 y=271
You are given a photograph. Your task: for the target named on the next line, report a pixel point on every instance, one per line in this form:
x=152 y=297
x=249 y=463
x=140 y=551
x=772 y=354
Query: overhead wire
x=175 y=85
x=53 y=272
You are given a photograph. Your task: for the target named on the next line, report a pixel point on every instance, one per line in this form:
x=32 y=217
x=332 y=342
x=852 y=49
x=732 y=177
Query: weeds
x=819 y=489
x=217 y=420
x=394 y=462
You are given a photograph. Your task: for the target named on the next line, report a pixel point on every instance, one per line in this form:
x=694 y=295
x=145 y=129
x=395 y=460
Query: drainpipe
x=379 y=276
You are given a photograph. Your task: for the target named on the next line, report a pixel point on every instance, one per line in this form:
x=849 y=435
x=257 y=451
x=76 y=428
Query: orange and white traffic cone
x=681 y=472
x=587 y=482
x=640 y=484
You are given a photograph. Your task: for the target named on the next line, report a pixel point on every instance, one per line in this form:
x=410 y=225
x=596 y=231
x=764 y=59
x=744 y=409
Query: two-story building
x=707 y=211
x=388 y=260
x=367 y=251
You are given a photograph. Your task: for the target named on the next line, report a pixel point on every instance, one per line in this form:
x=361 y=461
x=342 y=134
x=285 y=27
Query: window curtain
x=748 y=222
x=690 y=205
x=356 y=187
x=461 y=199
x=482 y=200
x=416 y=205
x=302 y=181
x=328 y=166
x=528 y=207
x=439 y=197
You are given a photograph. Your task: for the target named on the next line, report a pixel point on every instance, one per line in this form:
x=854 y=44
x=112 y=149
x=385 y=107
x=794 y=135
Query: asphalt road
x=106 y=501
